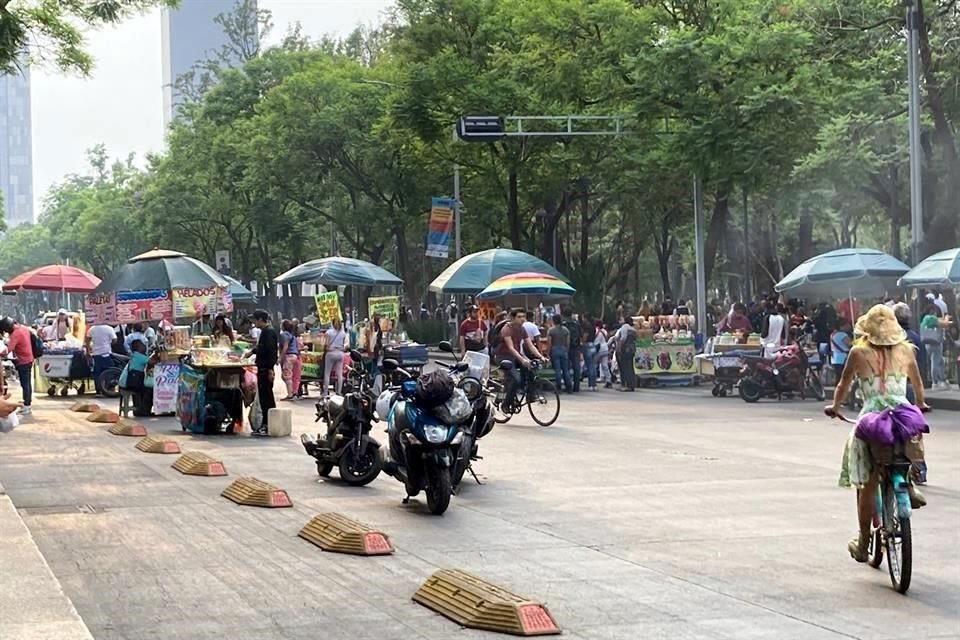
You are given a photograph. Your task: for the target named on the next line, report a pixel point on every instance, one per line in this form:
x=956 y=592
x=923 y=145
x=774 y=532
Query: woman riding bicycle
x=882 y=361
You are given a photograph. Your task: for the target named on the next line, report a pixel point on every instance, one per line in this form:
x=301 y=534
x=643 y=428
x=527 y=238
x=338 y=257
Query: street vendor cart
x=63 y=368
x=212 y=394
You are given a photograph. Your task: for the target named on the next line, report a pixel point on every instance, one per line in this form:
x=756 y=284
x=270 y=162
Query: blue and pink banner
x=439 y=227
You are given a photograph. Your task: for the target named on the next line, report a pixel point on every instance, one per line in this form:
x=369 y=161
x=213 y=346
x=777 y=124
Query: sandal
x=859 y=548
x=917 y=499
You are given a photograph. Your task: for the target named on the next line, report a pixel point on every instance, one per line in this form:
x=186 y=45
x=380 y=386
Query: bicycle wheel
x=899 y=544
x=543 y=402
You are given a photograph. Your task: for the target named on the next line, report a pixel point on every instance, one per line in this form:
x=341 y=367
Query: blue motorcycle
x=423 y=449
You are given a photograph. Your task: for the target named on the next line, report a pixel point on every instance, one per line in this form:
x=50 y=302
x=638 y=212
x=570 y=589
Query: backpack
x=36 y=345
x=495 y=338
x=575 y=332
x=433 y=389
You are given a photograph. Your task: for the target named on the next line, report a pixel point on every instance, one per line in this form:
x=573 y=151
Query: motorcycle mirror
x=445 y=346
x=390 y=365
x=461 y=367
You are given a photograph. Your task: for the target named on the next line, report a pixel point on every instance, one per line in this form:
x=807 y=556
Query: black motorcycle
x=348 y=443
x=109 y=379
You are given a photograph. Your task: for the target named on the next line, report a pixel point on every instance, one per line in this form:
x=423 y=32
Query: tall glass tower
x=190 y=35
x=16 y=148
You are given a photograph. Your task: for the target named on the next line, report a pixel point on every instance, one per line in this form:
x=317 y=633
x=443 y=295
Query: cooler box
x=410 y=355
x=56 y=365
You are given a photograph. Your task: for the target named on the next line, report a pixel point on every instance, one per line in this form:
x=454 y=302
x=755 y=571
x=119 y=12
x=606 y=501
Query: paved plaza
x=660 y=514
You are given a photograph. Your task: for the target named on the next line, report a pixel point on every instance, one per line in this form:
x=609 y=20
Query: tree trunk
x=718 y=222
x=805 y=236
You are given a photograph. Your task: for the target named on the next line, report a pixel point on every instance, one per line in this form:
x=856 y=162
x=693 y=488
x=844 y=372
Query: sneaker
x=261 y=432
x=25 y=411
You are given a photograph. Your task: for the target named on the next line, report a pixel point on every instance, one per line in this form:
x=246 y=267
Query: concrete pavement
x=660 y=514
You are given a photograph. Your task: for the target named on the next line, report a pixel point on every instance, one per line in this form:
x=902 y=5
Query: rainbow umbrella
x=527 y=284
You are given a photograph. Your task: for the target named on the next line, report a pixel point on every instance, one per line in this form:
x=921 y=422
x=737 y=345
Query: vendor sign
x=386 y=306
x=665 y=357
x=328 y=307
x=100 y=308
x=191 y=398
x=195 y=302
x=166 y=382
x=140 y=306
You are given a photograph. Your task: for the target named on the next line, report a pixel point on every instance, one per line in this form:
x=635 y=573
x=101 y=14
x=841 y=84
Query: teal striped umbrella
x=939 y=270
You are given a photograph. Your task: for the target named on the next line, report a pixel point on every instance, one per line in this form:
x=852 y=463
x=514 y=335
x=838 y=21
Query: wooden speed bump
x=158 y=445
x=85 y=407
x=126 y=427
x=478 y=604
x=256 y=493
x=338 y=533
x=102 y=415
x=195 y=463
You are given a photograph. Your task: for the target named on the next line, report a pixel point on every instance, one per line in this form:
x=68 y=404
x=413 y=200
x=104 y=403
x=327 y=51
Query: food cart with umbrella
x=64 y=364
x=201 y=383
x=339 y=271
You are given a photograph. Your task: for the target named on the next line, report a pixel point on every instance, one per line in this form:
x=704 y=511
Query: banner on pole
x=166 y=386
x=439 y=228
x=195 y=302
x=328 y=307
x=386 y=306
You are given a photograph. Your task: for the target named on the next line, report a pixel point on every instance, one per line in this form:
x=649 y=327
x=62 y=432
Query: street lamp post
x=913 y=104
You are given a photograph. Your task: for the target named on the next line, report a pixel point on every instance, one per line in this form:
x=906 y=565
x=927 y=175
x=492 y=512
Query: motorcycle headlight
x=435 y=435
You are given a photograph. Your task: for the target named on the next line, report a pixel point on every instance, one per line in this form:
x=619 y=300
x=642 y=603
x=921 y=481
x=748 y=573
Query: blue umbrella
x=844 y=273
x=238 y=292
x=939 y=270
x=337 y=271
x=473 y=273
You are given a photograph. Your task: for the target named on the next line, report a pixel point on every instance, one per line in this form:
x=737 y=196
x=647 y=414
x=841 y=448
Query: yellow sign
x=328 y=307
x=386 y=306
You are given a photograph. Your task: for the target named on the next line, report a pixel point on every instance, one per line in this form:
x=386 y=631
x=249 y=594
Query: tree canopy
x=791 y=112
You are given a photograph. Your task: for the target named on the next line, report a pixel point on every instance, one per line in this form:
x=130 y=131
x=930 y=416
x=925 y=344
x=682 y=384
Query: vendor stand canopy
x=238 y=292
x=844 y=273
x=162 y=269
x=337 y=271
x=939 y=270
x=542 y=285
x=473 y=273
x=54 y=277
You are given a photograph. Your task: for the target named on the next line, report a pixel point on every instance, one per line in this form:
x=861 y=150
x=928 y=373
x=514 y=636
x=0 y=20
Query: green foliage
x=54 y=30
x=790 y=111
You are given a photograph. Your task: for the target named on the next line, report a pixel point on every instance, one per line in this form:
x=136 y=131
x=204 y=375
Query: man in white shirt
x=938 y=300
x=532 y=336
x=775 y=332
x=100 y=339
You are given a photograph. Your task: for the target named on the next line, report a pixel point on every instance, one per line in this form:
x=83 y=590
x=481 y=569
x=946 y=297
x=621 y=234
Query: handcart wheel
x=82 y=389
x=723 y=392
x=64 y=392
x=51 y=391
x=716 y=392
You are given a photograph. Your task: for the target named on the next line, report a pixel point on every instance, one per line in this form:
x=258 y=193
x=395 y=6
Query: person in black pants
x=267 y=352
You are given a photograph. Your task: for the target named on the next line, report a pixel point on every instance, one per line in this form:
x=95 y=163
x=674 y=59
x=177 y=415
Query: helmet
x=6 y=324
x=384 y=402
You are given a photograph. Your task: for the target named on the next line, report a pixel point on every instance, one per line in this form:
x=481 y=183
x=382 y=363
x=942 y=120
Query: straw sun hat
x=880 y=328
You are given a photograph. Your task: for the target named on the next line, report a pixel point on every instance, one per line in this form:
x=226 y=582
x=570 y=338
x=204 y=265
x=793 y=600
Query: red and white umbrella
x=54 y=277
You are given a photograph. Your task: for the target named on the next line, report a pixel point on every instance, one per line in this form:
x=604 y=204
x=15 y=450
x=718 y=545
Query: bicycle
x=890 y=530
x=536 y=393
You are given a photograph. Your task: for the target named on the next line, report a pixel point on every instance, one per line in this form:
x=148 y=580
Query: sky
x=121 y=104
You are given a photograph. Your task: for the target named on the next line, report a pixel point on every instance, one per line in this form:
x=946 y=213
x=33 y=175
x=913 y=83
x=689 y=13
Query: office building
x=16 y=148
x=191 y=35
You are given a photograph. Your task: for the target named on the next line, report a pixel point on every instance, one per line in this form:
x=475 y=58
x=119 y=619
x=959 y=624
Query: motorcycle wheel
x=750 y=391
x=110 y=382
x=324 y=468
x=361 y=470
x=439 y=488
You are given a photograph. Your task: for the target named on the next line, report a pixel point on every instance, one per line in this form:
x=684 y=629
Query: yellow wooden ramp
x=338 y=533
x=256 y=493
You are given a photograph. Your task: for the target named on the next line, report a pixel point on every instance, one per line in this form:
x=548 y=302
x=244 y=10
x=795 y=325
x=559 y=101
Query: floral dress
x=879 y=393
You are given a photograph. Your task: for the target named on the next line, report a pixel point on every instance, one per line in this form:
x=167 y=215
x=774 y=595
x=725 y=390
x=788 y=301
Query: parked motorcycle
x=109 y=379
x=348 y=444
x=786 y=373
x=424 y=448
x=472 y=382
